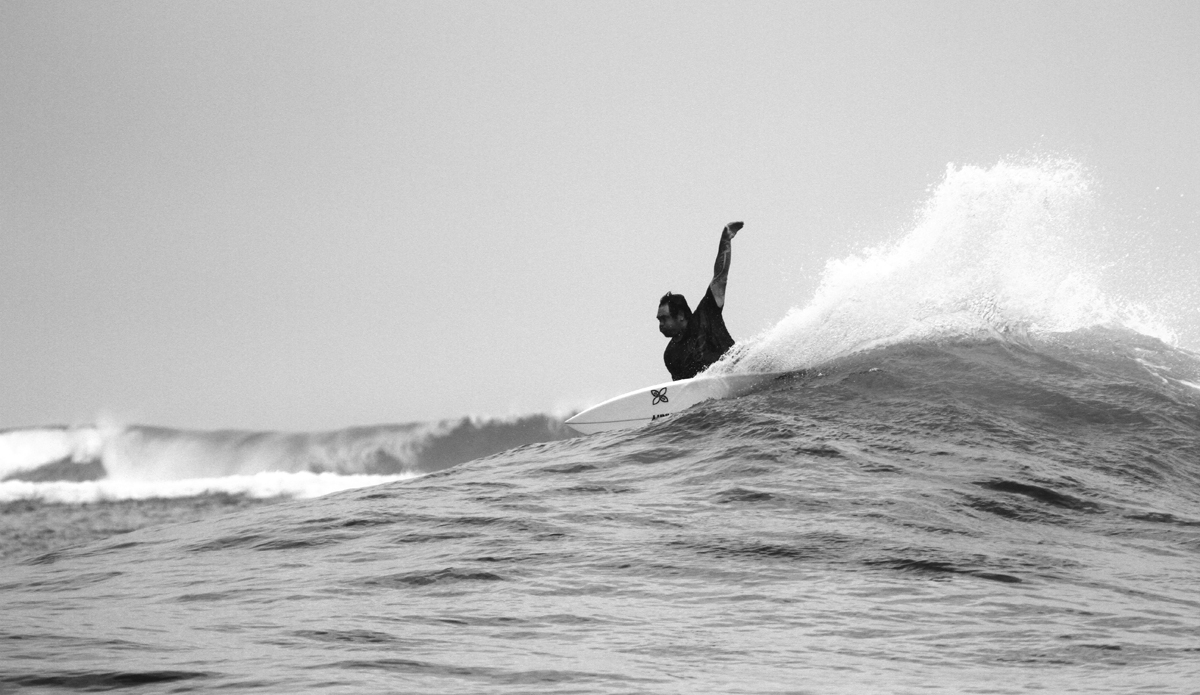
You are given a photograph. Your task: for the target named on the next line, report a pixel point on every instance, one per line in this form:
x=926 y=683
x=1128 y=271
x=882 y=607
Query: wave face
x=87 y=464
x=959 y=516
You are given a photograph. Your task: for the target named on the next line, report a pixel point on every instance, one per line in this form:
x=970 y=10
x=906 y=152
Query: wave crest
x=993 y=252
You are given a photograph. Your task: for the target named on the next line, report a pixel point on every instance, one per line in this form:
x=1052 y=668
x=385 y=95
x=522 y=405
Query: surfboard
x=646 y=405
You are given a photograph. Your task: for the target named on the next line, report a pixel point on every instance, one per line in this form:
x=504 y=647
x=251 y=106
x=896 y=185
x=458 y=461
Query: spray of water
x=23 y=450
x=993 y=252
x=160 y=454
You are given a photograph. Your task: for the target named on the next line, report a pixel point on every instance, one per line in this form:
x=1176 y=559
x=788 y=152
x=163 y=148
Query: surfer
x=698 y=338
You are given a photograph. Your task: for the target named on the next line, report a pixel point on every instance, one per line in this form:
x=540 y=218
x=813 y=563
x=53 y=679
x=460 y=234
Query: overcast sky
x=308 y=215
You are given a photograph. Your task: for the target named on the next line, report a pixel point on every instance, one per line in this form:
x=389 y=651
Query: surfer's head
x=673 y=314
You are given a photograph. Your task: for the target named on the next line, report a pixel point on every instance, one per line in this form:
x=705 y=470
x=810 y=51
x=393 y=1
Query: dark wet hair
x=677 y=305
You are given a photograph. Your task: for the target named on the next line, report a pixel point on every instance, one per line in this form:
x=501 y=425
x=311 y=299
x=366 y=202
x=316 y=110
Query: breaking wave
x=106 y=463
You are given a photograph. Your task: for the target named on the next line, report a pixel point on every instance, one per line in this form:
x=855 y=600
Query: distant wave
x=90 y=463
x=23 y=450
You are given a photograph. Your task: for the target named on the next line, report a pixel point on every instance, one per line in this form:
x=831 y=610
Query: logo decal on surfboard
x=660 y=396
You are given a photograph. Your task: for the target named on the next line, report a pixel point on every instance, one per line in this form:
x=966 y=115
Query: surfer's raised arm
x=721 y=268
x=698 y=338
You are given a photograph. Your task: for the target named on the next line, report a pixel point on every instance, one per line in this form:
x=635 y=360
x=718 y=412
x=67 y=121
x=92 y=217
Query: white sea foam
x=22 y=450
x=259 y=485
x=138 y=453
x=996 y=251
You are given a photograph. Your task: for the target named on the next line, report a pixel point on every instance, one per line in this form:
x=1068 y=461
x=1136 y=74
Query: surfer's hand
x=731 y=230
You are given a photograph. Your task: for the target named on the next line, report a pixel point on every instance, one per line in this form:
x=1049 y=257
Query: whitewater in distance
x=986 y=480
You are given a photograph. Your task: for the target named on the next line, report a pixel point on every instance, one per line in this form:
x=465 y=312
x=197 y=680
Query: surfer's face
x=669 y=325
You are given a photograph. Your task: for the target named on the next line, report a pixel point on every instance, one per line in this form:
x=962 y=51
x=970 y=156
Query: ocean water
x=986 y=480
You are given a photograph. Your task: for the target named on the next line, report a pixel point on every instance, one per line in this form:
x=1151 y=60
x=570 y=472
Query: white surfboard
x=643 y=406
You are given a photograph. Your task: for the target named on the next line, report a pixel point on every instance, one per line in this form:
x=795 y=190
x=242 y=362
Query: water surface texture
x=982 y=516
x=982 y=476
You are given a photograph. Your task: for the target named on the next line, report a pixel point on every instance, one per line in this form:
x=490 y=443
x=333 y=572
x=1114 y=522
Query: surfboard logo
x=660 y=396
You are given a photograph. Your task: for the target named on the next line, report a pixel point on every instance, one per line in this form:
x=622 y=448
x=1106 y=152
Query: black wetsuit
x=703 y=341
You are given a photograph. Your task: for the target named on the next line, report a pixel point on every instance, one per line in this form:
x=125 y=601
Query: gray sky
x=307 y=215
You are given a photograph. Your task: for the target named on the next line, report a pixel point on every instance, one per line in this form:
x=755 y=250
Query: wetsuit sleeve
x=721 y=267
